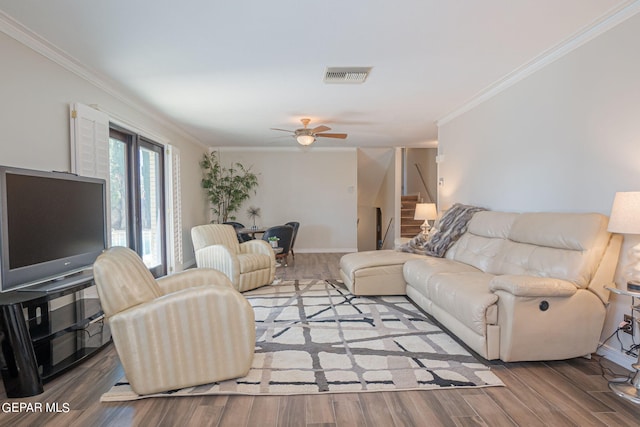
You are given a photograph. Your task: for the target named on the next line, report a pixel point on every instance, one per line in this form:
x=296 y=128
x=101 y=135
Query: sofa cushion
x=576 y=232
x=457 y=288
x=418 y=272
x=467 y=297
x=563 y=246
x=492 y=224
x=483 y=241
x=361 y=264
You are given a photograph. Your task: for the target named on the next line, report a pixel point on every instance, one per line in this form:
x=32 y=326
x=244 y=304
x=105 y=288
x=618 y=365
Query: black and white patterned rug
x=314 y=336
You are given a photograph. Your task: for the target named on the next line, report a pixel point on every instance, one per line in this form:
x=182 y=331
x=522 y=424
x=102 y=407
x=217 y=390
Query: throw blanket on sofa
x=449 y=228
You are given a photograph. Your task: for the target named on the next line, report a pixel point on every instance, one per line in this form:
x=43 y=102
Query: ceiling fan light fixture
x=307 y=136
x=305 y=139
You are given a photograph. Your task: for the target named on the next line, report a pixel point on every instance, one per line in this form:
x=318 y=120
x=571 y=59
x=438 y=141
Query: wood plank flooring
x=564 y=393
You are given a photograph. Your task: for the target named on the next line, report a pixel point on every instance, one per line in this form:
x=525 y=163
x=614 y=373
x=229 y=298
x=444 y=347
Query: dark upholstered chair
x=285 y=235
x=295 y=226
x=242 y=237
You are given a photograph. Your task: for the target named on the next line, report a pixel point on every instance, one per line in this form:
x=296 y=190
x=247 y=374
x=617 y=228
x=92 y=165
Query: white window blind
x=90 y=147
x=174 y=210
x=89 y=142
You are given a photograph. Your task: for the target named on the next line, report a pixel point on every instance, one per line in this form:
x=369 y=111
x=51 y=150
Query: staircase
x=409 y=227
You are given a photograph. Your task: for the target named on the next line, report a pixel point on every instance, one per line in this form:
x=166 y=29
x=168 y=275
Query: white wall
x=389 y=200
x=35 y=94
x=373 y=164
x=315 y=186
x=566 y=138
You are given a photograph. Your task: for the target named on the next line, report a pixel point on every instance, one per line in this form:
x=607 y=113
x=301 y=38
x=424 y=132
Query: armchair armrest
x=210 y=300
x=257 y=247
x=209 y=320
x=219 y=257
x=532 y=286
x=192 y=278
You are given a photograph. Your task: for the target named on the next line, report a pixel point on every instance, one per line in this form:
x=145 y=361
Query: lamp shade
x=625 y=213
x=426 y=211
x=305 y=139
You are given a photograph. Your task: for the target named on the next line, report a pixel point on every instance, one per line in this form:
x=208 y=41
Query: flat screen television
x=53 y=224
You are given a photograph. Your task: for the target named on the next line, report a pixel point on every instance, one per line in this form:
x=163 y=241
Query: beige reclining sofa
x=515 y=287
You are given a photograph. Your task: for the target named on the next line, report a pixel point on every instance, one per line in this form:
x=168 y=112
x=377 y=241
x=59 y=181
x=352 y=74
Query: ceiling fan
x=306 y=136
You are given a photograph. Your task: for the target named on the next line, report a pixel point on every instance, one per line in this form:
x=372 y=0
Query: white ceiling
x=227 y=71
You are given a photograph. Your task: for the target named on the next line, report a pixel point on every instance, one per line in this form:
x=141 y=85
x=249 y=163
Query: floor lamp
x=625 y=219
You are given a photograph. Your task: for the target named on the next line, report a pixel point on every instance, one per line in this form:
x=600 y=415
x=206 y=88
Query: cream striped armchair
x=179 y=331
x=248 y=265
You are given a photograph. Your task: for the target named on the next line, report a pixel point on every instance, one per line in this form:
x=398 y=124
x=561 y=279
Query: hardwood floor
x=565 y=393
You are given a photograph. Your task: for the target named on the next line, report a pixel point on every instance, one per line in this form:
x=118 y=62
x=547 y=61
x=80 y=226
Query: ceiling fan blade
x=321 y=128
x=283 y=130
x=333 y=135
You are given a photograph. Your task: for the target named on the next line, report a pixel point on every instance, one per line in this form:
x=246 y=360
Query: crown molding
x=600 y=26
x=24 y=35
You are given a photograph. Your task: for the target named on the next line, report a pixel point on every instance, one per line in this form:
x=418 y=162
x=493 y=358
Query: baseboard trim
x=324 y=250
x=616 y=356
x=190 y=263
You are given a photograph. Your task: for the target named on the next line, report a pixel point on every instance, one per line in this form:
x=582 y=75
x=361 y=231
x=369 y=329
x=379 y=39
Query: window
x=134 y=168
x=118 y=186
x=136 y=182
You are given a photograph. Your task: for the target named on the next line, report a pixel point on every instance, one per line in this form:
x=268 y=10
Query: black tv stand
x=47 y=329
x=60 y=283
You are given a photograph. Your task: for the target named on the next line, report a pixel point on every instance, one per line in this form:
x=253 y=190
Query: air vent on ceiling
x=346 y=74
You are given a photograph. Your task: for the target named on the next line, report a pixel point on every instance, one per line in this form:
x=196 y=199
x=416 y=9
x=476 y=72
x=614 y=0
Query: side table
x=629 y=389
x=277 y=250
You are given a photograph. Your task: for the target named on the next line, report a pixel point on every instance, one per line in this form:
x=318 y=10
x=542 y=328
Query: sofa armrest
x=532 y=286
x=191 y=278
x=219 y=257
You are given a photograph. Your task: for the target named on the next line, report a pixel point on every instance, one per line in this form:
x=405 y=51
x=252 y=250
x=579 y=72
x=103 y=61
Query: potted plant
x=253 y=213
x=273 y=241
x=226 y=187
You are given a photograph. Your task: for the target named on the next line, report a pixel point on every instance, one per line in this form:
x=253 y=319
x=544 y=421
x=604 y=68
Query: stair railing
x=384 y=239
x=424 y=184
